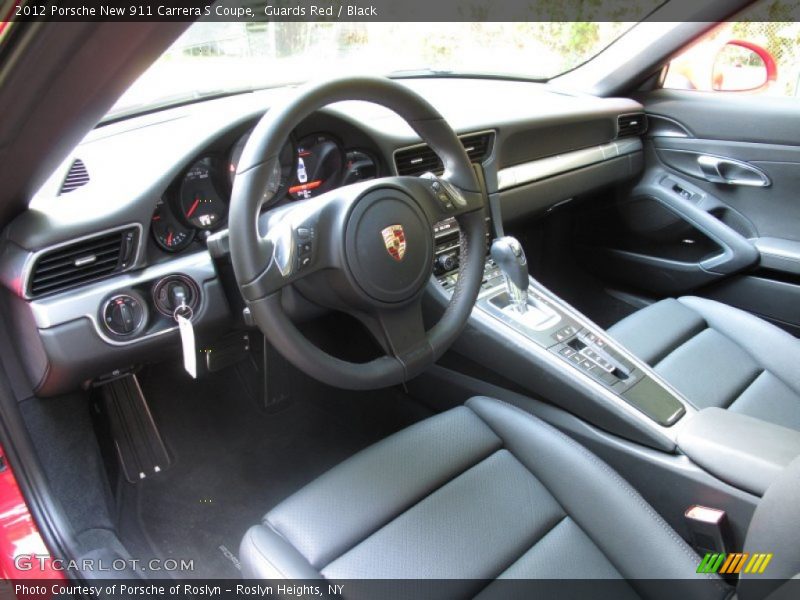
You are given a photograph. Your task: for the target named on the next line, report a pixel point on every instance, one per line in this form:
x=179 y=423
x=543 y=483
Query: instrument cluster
x=198 y=203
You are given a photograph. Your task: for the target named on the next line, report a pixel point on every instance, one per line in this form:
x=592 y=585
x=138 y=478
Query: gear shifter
x=509 y=256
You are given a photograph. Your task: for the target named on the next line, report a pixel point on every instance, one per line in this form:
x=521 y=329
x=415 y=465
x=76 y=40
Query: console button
x=576 y=358
x=303 y=261
x=564 y=333
x=304 y=233
x=447 y=262
x=567 y=351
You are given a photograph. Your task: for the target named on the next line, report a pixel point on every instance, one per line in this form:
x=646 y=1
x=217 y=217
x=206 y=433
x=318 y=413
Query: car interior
x=423 y=327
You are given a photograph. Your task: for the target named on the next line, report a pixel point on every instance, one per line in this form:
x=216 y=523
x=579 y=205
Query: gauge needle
x=193 y=208
x=169 y=239
x=311 y=185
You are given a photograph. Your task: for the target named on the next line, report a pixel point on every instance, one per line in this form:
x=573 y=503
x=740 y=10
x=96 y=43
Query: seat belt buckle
x=709 y=529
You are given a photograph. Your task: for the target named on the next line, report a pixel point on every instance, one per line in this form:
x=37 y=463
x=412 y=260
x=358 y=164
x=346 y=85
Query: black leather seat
x=717 y=355
x=480 y=492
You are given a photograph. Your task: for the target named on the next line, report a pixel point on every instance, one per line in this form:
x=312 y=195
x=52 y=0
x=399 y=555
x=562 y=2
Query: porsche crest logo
x=394 y=238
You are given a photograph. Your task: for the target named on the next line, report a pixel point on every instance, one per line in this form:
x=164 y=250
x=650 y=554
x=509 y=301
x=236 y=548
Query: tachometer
x=319 y=166
x=200 y=201
x=168 y=233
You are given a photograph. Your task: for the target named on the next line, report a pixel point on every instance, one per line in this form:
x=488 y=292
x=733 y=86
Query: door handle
x=728 y=171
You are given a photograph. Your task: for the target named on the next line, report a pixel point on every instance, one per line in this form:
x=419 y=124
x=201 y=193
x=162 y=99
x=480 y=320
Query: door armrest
x=779 y=254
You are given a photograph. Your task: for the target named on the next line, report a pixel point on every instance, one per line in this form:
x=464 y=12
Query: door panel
x=737 y=243
x=774 y=210
x=666 y=236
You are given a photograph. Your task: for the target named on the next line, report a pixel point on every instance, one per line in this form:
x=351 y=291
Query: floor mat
x=233 y=461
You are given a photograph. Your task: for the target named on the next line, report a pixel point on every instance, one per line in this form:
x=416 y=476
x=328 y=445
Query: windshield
x=218 y=58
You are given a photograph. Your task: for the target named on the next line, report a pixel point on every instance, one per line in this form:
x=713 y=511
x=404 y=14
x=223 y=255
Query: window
x=215 y=57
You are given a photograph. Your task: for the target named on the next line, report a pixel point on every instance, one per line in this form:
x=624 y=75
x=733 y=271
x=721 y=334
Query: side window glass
x=744 y=56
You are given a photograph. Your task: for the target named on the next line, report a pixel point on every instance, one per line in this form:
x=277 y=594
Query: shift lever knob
x=508 y=254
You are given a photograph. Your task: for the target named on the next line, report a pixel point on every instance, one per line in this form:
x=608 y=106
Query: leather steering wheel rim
x=259 y=243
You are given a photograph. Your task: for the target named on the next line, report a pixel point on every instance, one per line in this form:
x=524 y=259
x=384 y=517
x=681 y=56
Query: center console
x=549 y=332
x=552 y=325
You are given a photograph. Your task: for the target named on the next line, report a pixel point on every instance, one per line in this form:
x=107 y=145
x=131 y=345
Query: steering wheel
x=366 y=249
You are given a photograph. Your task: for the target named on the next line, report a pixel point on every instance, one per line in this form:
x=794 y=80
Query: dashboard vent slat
x=77 y=176
x=82 y=262
x=420 y=159
x=96 y=265
x=633 y=124
x=68 y=258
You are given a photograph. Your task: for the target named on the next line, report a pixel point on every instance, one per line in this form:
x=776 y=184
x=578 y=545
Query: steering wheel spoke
x=401 y=333
x=439 y=197
x=294 y=243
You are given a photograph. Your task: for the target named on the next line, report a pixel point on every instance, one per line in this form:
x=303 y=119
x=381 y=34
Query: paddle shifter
x=509 y=256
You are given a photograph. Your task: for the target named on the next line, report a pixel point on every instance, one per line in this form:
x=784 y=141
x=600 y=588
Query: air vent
x=635 y=124
x=82 y=262
x=421 y=159
x=76 y=177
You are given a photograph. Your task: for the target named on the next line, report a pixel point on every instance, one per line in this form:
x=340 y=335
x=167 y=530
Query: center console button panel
x=589 y=351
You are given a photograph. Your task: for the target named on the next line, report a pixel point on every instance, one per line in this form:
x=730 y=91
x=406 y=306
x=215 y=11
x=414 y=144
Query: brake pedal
x=139 y=446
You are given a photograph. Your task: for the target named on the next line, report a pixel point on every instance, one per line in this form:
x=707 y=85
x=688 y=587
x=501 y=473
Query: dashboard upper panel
x=132 y=163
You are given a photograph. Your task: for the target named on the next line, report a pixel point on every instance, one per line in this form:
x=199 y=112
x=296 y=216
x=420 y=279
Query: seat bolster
x=606 y=507
x=653 y=332
x=771 y=347
x=266 y=555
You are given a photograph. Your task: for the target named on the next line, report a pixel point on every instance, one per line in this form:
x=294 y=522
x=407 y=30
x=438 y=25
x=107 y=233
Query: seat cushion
x=480 y=492
x=720 y=356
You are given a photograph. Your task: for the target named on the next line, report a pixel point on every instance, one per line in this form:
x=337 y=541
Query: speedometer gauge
x=200 y=201
x=168 y=233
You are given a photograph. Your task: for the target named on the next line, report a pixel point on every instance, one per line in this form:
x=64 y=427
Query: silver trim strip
x=85 y=302
x=31 y=259
x=563 y=163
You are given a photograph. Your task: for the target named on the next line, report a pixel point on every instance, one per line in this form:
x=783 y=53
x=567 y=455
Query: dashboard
x=135 y=217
